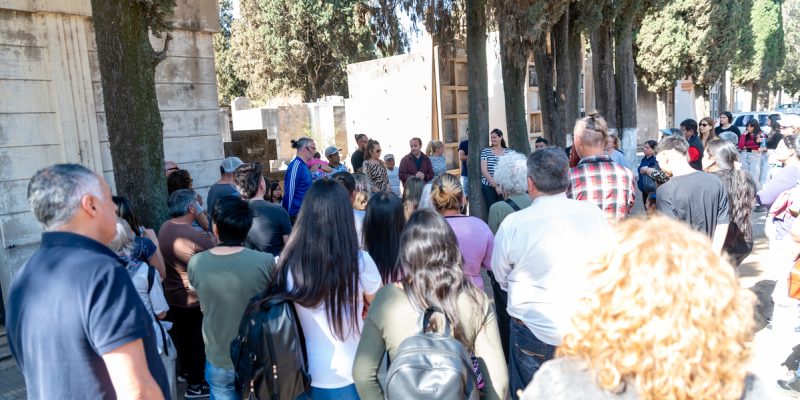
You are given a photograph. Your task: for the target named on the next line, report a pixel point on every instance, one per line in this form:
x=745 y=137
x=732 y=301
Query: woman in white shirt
x=331 y=282
x=147 y=282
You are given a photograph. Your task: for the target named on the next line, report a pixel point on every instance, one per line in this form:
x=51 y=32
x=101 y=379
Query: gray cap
x=331 y=150
x=231 y=163
x=388 y=157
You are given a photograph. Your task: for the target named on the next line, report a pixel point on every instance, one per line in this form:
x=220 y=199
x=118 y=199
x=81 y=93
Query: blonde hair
x=593 y=130
x=362 y=191
x=664 y=313
x=123 y=241
x=433 y=145
x=446 y=193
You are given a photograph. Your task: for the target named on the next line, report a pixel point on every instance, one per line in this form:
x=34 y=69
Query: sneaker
x=792 y=386
x=182 y=378
x=197 y=391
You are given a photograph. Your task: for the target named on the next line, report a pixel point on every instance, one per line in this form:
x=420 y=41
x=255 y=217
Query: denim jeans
x=343 y=393
x=465 y=186
x=221 y=382
x=528 y=353
x=751 y=162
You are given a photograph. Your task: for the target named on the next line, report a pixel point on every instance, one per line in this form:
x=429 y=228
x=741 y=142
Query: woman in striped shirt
x=489 y=157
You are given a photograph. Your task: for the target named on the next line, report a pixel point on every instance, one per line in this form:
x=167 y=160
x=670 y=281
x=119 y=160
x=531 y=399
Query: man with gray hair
x=178 y=242
x=540 y=258
x=75 y=324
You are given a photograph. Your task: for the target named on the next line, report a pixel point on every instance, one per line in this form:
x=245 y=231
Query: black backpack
x=431 y=366
x=269 y=354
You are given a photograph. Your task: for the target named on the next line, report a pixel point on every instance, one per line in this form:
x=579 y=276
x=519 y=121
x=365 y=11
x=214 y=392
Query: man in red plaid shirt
x=596 y=178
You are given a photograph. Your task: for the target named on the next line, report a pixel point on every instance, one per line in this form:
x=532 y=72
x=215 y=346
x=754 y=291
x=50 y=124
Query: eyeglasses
x=174 y=169
x=312 y=148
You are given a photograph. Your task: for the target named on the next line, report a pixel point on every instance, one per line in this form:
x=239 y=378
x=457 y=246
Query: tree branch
x=160 y=56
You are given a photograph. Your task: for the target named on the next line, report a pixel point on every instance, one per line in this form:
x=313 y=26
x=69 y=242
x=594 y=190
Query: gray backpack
x=431 y=366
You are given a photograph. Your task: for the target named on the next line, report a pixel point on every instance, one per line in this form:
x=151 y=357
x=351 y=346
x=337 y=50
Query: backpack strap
x=151 y=280
x=151 y=277
x=513 y=205
x=426 y=319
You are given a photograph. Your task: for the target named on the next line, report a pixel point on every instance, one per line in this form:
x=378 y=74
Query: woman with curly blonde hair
x=664 y=318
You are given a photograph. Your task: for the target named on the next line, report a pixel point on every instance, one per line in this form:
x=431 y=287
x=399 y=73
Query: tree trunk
x=575 y=50
x=722 y=103
x=127 y=71
x=478 y=95
x=552 y=124
x=603 y=73
x=566 y=95
x=754 y=89
x=626 y=87
x=514 y=68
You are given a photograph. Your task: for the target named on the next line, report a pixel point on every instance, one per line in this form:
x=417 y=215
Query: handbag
x=794 y=281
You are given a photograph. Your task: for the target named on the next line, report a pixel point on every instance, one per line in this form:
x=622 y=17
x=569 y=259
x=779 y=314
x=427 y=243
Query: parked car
x=788 y=108
x=741 y=119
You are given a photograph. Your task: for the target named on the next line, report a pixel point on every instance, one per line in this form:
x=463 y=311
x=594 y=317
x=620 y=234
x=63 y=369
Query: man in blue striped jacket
x=298 y=178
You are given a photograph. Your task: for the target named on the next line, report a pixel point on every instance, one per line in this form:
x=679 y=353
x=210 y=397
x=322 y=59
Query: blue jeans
x=221 y=382
x=465 y=186
x=343 y=393
x=528 y=353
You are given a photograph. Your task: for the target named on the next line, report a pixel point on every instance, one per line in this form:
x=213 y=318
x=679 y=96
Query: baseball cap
x=792 y=120
x=331 y=150
x=388 y=157
x=231 y=163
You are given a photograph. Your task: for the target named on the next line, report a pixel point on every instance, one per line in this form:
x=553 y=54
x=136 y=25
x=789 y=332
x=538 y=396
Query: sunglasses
x=703 y=124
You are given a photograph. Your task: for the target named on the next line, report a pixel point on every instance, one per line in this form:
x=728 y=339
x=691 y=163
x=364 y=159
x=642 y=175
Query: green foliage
x=766 y=25
x=663 y=46
x=522 y=22
x=300 y=46
x=229 y=85
x=789 y=77
x=691 y=38
x=157 y=14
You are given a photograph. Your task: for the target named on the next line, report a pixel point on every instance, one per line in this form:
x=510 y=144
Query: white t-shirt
x=330 y=361
x=153 y=300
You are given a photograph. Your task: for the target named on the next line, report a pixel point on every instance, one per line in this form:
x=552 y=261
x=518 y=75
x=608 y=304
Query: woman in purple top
x=786 y=177
x=475 y=239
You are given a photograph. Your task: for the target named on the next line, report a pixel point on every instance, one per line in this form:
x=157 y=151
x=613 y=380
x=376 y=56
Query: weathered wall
x=51 y=107
x=391 y=101
x=323 y=120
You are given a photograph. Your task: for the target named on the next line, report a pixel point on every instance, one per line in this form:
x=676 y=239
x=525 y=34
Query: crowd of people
x=559 y=294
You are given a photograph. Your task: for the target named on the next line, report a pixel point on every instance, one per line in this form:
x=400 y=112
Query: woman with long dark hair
x=750 y=149
x=489 y=158
x=412 y=195
x=433 y=276
x=726 y=129
x=330 y=281
x=383 y=224
x=145 y=244
x=647 y=166
x=720 y=159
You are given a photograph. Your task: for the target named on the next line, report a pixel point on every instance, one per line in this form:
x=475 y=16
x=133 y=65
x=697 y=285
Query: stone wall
x=324 y=120
x=51 y=108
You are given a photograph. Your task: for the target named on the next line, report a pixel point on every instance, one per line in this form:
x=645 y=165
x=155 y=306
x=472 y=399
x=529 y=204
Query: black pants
x=501 y=312
x=187 y=333
x=490 y=196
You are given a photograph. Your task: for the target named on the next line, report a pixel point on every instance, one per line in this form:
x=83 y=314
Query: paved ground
x=768 y=353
